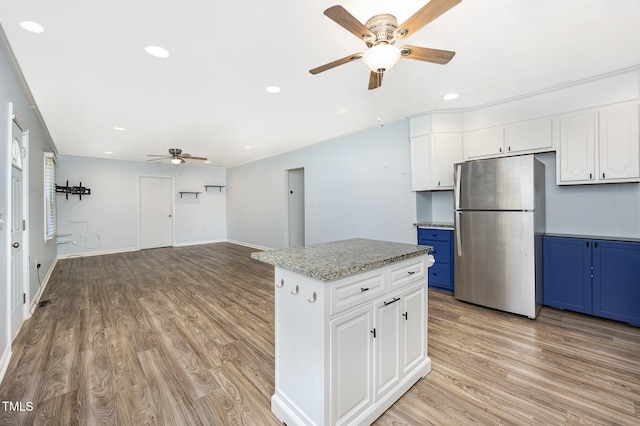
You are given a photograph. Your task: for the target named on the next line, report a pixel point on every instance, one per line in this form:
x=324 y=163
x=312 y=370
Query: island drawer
x=356 y=289
x=408 y=271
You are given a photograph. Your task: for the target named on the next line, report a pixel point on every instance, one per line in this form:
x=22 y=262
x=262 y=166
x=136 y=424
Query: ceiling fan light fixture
x=381 y=57
x=176 y=161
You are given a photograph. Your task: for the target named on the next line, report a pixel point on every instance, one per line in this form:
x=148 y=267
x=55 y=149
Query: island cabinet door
x=351 y=361
x=386 y=353
x=413 y=327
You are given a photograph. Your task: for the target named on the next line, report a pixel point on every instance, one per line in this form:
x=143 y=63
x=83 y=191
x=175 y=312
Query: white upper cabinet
x=599 y=146
x=523 y=138
x=436 y=145
x=618 y=143
x=534 y=136
x=484 y=143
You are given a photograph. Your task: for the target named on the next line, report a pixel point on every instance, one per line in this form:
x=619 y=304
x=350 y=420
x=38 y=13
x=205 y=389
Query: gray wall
x=112 y=208
x=355 y=186
x=15 y=97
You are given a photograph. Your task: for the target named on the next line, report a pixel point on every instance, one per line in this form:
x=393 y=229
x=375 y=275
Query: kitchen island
x=350 y=329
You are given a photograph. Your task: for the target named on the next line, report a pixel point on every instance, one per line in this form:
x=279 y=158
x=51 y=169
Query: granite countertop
x=340 y=259
x=434 y=225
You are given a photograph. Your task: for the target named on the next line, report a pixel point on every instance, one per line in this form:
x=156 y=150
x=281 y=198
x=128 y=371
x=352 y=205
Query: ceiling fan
x=176 y=156
x=381 y=32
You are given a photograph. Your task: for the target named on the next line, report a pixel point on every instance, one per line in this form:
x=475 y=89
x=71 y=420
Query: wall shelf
x=206 y=187
x=189 y=192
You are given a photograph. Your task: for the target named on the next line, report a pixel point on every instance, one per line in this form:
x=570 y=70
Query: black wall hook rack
x=73 y=190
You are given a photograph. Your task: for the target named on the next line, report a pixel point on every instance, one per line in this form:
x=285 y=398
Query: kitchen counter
x=594 y=237
x=437 y=225
x=340 y=259
x=350 y=329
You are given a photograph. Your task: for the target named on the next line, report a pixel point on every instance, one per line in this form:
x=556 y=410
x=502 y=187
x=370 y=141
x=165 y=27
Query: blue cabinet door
x=616 y=280
x=567 y=273
x=441 y=273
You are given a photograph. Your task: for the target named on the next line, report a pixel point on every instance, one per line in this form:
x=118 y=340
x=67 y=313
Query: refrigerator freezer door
x=495 y=260
x=496 y=184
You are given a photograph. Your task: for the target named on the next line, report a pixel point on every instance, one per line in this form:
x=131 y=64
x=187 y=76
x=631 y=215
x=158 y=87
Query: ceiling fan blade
x=428 y=55
x=375 y=80
x=334 y=64
x=343 y=18
x=158 y=159
x=190 y=157
x=157 y=155
x=428 y=13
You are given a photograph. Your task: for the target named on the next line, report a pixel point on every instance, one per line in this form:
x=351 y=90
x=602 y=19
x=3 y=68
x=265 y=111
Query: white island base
x=347 y=349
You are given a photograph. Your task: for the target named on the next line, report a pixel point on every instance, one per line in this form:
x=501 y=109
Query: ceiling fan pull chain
x=380 y=104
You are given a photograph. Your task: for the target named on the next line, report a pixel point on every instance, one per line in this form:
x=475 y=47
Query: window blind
x=49 y=197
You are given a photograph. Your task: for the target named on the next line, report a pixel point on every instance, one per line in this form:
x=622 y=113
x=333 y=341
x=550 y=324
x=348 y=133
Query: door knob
x=15 y=245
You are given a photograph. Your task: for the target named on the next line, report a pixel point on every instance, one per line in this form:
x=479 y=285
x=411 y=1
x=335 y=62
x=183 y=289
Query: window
x=49 y=196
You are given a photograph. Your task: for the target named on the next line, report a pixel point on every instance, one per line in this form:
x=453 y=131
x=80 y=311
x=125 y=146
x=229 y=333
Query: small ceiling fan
x=381 y=32
x=176 y=156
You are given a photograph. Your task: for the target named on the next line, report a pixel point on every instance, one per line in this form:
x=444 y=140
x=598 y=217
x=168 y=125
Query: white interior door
x=295 y=207
x=156 y=211
x=17 y=232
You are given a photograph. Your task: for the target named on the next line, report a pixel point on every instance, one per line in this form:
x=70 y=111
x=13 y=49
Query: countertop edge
x=321 y=273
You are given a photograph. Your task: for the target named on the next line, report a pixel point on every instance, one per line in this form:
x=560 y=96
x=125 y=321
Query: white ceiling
x=88 y=71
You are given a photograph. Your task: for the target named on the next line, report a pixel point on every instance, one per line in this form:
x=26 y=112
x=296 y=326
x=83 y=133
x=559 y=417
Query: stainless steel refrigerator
x=499 y=223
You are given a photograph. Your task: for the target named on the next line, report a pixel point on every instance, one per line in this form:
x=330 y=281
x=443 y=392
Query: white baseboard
x=4 y=361
x=45 y=281
x=242 y=243
x=97 y=253
x=197 y=243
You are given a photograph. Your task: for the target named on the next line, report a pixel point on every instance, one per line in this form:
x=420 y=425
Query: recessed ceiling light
x=32 y=27
x=120 y=129
x=273 y=89
x=207 y=162
x=157 y=51
x=342 y=111
x=450 y=96
x=248 y=147
x=108 y=152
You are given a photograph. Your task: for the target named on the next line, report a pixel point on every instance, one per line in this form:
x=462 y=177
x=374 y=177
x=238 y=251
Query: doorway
x=295 y=207
x=155 y=199
x=18 y=228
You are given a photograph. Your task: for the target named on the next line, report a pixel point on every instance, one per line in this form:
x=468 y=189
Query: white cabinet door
x=576 y=153
x=446 y=150
x=387 y=344
x=420 y=163
x=618 y=142
x=484 y=143
x=414 y=327
x=351 y=360
x=534 y=136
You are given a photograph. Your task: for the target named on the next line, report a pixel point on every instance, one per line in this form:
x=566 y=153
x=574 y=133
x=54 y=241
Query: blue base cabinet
x=597 y=277
x=441 y=273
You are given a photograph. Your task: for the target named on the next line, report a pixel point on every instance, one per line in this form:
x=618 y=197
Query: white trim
x=4 y=361
x=197 y=243
x=98 y=253
x=242 y=243
x=45 y=282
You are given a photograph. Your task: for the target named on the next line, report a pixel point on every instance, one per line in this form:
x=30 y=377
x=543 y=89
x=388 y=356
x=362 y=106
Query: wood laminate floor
x=184 y=336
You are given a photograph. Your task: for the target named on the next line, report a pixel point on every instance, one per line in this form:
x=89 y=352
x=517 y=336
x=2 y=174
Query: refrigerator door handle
x=457 y=173
x=458 y=232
